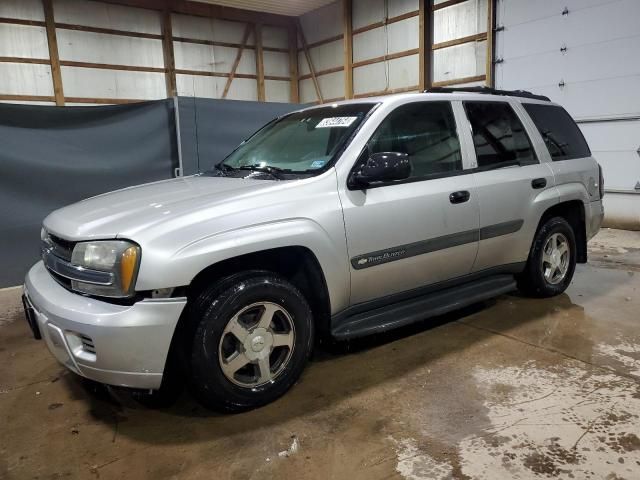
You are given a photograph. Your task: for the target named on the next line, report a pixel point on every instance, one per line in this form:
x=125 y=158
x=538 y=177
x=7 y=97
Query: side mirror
x=381 y=167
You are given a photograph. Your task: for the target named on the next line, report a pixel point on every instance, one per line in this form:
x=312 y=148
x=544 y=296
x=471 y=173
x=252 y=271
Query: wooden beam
x=236 y=62
x=305 y=48
x=449 y=3
x=20 y=21
x=26 y=98
x=109 y=66
x=257 y=29
x=168 y=55
x=319 y=73
x=422 y=49
x=52 y=41
x=201 y=9
x=478 y=37
x=388 y=21
x=387 y=92
x=103 y=101
x=491 y=43
x=319 y=43
x=108 y=31
x=347 y=9
x=458 y=81
x=40 y=61
x=294 y=96
x=382 y=58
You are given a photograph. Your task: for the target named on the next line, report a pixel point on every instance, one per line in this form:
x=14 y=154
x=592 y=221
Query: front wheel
x=254 y=335
x=552 y=260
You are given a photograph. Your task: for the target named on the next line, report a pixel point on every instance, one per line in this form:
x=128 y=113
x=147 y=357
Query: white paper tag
x=336 y=122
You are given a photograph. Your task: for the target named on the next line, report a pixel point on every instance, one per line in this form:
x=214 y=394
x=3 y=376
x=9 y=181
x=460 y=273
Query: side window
x=560 y=133
x=498 y=135
x=426 y=131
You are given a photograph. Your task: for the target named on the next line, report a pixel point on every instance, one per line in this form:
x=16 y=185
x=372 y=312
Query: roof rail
x=488 y=91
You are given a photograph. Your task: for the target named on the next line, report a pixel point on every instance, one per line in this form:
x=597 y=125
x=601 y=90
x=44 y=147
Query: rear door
x=513 y=187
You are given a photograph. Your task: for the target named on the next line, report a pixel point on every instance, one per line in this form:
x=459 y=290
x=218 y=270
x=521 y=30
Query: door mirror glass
x=382 y=167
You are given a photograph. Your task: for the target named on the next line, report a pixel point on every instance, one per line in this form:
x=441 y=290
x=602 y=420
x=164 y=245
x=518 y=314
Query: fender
x=184 y=264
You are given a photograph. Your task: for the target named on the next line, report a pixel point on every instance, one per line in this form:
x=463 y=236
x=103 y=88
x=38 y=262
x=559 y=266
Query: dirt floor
x=512 y=388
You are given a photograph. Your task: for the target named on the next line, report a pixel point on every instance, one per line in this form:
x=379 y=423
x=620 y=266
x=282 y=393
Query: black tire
x=213 y=309
x=532 y=281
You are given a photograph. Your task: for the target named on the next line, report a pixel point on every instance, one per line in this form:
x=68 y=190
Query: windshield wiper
x=273 y=171
x=223 y=167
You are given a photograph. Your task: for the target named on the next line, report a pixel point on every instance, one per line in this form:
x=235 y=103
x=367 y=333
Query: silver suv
x=338 y=220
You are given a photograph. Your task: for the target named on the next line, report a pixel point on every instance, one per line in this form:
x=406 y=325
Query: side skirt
x=359 y=323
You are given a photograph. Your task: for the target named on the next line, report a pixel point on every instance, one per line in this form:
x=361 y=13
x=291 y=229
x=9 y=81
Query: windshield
x=301 y=142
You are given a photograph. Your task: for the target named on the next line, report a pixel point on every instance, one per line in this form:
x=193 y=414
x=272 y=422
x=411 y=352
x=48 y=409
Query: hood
x=125 y=212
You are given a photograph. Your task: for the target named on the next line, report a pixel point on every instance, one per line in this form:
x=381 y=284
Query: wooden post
x=425 y=21
x=56 y=75
x=259 y=61
x=311 y=69
x=167 y=52
x=236 y=62
x=293 y=64
x=491 y=42
x=348 y=47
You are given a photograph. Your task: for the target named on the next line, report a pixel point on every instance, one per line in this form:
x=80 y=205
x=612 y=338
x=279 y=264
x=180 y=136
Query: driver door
x=407 y=234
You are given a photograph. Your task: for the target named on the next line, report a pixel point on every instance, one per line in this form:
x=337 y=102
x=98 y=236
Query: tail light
x=601 y=181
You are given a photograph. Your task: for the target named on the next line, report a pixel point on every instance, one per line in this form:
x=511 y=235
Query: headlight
x=118 y=257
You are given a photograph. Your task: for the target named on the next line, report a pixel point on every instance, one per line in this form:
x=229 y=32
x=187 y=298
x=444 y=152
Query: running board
x=420 y=308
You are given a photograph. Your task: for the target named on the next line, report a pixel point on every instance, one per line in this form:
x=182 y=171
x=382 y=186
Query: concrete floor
x=513 y=388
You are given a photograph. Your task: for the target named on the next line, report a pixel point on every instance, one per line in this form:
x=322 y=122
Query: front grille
x=87 y=344
x=60 y=247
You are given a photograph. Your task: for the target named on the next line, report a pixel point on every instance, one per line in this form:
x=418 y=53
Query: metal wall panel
x=277 y=90
x=366 y=12
x=23 y=9
x=209 y=58
x=208 y=29
x=105 y=15
x=276 y=63
x=397 y=73
x=275 y=37
x=459 y=61
x=404 y=35
x=461 y=20
x=369 y=44
x=331 y=86
x=399 y=7
x=212 y=87
x=25 y=79
x=98 y=83
x=92 y=47
x=23 y=41
x=393 y=38
x=325 y=56
x=325 y=22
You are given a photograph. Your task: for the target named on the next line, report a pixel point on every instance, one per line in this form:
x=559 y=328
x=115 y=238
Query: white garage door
x=583 y=54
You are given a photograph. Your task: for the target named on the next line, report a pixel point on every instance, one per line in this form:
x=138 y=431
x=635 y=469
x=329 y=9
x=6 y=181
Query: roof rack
x=488 y=91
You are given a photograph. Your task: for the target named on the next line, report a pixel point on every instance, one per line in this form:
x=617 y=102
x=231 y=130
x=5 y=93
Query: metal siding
x=22 y=9
x=25 y=79
x=326 y=56
x=92 y=47
x=399 y=7
x=212 y=87
x=461 y=20
x=277 y=90
x=370 y=78
x=105 y=15
x=366 y=12
x=459 y=61
x=325 y=22
x=275 y=37
x=97 y=83
x=23 y=41
x=209 y=58
x=276 y=63
x=201 y=28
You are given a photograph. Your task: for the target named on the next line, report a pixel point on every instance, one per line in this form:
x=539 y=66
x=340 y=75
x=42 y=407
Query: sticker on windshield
x=336 y=122
x=317 y=164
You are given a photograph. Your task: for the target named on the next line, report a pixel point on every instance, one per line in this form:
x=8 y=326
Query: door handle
x=459 y=197
x=539 y=183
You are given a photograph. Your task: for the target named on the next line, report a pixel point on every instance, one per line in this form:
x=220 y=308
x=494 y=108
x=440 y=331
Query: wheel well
x=573 y=212
x=297 y=264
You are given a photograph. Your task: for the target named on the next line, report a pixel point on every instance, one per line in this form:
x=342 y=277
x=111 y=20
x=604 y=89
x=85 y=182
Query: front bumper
x=113 y=344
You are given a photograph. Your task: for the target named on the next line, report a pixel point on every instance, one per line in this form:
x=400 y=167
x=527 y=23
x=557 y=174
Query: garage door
x=582 y=54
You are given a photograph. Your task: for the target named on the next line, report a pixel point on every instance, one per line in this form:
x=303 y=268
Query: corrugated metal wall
x=113 y=54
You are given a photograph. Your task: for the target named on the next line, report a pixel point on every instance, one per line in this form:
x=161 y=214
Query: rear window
x=560 y=133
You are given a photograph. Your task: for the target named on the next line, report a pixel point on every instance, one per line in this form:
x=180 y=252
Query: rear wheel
x=253 y=337
x=552 y=260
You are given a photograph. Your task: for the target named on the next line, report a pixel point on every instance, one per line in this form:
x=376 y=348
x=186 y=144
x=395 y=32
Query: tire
x=547 y=275
x=256 y=321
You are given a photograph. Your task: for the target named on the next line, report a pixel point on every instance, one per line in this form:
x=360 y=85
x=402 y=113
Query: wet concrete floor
x=511 y=388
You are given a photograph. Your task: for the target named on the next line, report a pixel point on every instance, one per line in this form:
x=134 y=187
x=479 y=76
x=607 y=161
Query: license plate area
x=32 y=320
